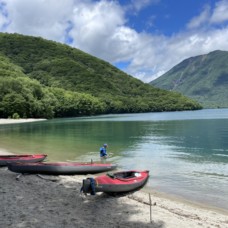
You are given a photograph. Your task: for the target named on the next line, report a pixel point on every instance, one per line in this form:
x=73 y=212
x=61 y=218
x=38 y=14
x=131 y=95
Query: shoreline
x=149 y=190
x=14 y=121
x=180 y=199
x=55 y=201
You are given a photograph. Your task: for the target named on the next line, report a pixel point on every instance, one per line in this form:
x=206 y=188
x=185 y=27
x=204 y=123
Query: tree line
x=45 y=79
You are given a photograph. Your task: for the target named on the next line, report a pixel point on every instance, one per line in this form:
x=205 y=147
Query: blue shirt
x=103 y=152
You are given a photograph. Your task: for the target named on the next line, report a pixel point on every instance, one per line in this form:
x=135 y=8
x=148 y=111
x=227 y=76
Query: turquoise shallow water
x=186 y=152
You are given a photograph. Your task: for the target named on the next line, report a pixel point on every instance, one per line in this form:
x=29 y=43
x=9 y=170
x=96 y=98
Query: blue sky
x=145 y=38
x=164 y=17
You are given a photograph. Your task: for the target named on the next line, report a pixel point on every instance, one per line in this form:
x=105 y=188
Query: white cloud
x=3 y=21
x=138 y=5
x=99 y=28
x=220 y=13
x=201 y=19
x=208 y=16
x=45 y=18
x=3 y=16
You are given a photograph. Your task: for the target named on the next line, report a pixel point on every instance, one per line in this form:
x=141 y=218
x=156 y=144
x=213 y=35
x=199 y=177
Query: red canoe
x=8 y=159
x=61 y=168
x=120 y=182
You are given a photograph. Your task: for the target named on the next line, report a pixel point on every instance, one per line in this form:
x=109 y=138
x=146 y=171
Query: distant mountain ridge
x=203 y=78
x=42 y=78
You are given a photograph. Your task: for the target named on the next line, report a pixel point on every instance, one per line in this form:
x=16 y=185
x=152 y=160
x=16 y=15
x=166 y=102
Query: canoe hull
x=61 y=168
x=5 y=160
x=119 y=186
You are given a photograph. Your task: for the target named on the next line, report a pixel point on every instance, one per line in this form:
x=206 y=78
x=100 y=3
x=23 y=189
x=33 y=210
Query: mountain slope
x=203 y=78
x=73 y=83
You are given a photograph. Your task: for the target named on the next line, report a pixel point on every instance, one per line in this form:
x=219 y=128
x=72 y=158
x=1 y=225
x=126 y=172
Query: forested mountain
x=203 y=78
x=41 y=78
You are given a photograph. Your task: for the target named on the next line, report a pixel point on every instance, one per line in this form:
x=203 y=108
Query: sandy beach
x=13 y=121
x=56 y=201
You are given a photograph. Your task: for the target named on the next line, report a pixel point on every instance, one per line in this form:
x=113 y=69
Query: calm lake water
x=186 y=152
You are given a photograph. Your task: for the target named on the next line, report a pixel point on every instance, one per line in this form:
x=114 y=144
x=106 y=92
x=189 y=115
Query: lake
x=186 y=152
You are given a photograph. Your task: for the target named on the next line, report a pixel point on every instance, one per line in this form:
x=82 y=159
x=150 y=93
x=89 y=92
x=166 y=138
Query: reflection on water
x=186 y=152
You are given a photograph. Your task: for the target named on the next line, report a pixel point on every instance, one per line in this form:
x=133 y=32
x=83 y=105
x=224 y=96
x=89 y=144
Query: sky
x=144 y=38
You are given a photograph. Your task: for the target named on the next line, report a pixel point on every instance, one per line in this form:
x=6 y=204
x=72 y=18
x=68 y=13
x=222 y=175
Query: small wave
x=220 y=150
x=212 y=174
x=180 y=153
x=221 y=155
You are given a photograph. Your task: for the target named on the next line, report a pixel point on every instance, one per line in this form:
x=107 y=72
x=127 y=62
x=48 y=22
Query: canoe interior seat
x=124 y=175
x=110 y=175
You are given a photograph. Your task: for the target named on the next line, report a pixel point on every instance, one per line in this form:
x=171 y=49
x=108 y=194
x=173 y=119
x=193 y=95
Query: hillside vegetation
x=41 y=78
x=203 y=78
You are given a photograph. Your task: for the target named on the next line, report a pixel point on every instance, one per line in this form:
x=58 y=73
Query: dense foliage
x=40 y=78
x=203 y=78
